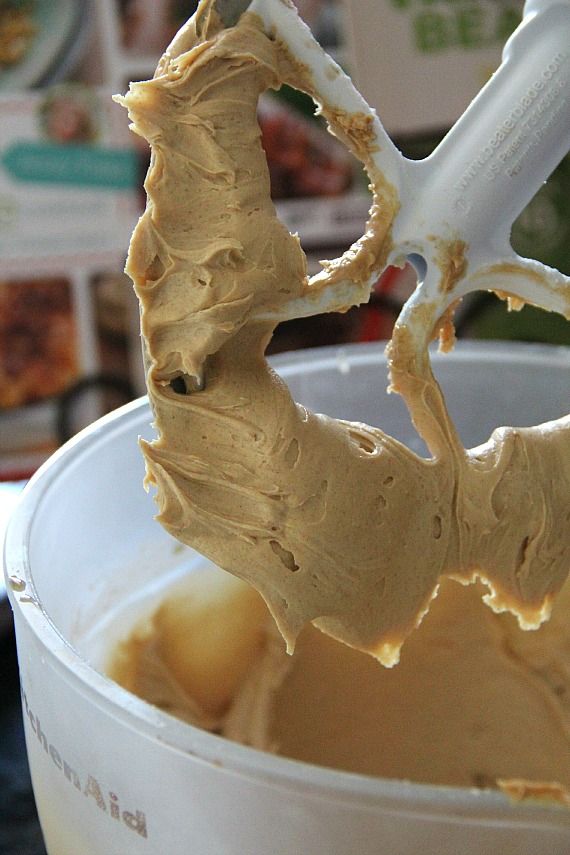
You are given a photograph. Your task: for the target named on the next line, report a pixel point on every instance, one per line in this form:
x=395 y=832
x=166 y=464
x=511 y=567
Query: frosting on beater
x=333 y=522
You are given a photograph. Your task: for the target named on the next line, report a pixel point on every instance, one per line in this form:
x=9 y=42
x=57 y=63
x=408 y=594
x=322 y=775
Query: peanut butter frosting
x=473 y=702
x=335 y=523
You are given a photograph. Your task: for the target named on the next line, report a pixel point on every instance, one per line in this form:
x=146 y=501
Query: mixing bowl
x=114 y=776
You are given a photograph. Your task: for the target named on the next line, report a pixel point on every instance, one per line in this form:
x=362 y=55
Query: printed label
x=74 y=165
x=68 y=180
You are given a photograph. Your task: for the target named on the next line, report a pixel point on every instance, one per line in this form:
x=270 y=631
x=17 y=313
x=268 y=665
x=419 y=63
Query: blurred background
x=71 y=190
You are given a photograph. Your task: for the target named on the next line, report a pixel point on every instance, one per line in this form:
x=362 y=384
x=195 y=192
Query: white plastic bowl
x=114 y=776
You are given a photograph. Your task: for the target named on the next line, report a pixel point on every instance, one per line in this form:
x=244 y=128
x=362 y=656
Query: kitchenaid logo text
x=88 y=785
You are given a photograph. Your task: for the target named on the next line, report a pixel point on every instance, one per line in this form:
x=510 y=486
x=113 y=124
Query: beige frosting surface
x=473 y=702
x=333 y=522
